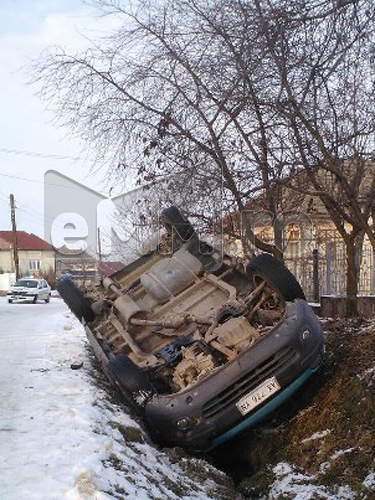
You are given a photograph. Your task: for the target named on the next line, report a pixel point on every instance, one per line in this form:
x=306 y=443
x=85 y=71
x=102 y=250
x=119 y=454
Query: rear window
x=27 y=283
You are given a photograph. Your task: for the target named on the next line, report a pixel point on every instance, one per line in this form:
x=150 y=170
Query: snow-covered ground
x=61 y=437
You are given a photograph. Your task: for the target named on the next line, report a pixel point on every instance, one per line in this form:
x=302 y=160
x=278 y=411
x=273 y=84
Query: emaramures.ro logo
x=71 y=221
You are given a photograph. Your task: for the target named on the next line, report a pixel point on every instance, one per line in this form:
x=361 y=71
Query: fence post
x=330 y=254
x=316 y=287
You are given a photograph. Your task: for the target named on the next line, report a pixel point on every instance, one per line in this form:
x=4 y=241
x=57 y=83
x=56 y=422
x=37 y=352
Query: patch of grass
x=346 y=406
x=257 y=485
x=130 y=479
x=340 y=399
x=199 y=471
x=118 y=489
x=176 y=488
x=131 y=434
x=176 y=454
x=114 y=461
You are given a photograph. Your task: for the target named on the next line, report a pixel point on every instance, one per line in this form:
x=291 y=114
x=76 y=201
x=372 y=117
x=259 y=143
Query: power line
x=38 y=182
x=39 y=155
x=21 y=178
x=32 y=180
x=4 y=197
x=39 y=218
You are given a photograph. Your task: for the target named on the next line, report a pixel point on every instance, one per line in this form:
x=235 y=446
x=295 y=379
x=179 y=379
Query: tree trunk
x=352 y=277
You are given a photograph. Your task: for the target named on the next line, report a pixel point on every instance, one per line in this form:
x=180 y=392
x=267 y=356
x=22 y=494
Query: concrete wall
x=6 y=280
x=336 y=307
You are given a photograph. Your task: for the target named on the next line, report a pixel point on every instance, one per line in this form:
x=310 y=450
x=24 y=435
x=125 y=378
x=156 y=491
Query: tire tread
x=278 y=275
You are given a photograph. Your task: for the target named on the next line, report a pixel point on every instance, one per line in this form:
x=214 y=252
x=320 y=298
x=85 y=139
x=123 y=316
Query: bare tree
x=321 y=64
x=227 y=100
x=170 y=96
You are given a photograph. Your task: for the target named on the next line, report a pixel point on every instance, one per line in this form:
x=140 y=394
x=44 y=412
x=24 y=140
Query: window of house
x=34 y=265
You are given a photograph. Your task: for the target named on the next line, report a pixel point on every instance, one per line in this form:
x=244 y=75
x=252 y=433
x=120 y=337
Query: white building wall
x=6 y=261
x=6 y=280
x=46 y=261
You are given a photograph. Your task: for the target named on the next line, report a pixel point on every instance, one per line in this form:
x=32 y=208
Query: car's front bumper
x=21 y=296
x=291 y=352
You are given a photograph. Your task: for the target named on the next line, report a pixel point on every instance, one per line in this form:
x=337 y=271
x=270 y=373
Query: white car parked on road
x=30 y=289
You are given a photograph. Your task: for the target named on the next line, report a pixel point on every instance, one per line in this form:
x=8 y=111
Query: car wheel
x=277 y=275
x=182 y=227
x=10 y=301
x=75 y=300
x=35 y=299
x=47 y=300
x=132 y=382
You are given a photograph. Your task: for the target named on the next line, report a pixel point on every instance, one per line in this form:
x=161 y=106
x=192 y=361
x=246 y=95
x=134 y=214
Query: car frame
x=236 y=385
x=25 y=292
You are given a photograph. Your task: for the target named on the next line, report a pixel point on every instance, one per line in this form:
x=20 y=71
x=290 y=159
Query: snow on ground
x=292 y=484
x=369 y=481
x=60 y=436
x=317 y=435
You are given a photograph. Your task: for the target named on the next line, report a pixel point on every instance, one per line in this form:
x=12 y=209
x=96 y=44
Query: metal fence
x=320 y=266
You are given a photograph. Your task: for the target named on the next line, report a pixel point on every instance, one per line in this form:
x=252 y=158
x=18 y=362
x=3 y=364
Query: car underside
x=200 y=344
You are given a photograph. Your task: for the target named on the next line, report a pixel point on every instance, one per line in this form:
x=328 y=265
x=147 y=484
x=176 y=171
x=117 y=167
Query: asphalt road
x=35 y=387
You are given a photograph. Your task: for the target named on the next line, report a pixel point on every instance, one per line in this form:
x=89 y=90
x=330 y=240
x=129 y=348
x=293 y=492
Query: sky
x=30 y=140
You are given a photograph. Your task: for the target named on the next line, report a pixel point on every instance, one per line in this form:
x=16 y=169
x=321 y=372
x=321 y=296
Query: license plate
x=258 y=395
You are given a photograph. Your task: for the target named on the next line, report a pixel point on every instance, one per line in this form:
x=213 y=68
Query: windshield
x=27 y=283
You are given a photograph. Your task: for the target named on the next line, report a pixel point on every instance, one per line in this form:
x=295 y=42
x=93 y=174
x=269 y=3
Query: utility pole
x=99 y=252
x=15 y=239
x=99 y=246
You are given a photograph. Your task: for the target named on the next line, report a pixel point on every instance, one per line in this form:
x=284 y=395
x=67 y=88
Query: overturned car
x=200 y=345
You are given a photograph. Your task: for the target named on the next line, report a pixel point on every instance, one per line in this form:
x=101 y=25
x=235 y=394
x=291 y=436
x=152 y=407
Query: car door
x=43 y=290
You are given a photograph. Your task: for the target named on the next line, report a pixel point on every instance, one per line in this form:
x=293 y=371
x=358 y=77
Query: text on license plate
x=258 y=395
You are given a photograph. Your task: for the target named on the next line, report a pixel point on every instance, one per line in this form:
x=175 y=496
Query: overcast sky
x=30 y=142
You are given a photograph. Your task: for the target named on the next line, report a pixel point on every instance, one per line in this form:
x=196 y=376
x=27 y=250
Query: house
x=313 y=248
x=35 y=256
x=106 y=268
x=81 y=266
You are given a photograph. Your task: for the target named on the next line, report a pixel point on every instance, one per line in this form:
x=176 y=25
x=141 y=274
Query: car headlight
x=186 y=423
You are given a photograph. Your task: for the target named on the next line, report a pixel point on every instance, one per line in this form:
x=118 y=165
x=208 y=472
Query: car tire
x=182 y=227
x=47 y=300
x=75 y=300
x=35 y=299
x=10 y=301
x=277 y=275
x=131 y=381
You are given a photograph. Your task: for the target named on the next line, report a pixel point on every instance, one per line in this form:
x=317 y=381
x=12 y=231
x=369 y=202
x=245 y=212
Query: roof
x=69 y=255
x=108 y=268
x=26 y=241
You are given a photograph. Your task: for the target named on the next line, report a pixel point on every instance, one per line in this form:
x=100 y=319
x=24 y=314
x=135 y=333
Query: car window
x=27 y=283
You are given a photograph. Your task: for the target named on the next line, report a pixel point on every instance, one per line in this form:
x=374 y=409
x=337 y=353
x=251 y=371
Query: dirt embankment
x=326 y=432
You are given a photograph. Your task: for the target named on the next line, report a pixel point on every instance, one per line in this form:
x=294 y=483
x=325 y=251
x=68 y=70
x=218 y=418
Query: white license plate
x=258 y=395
